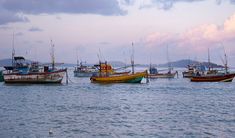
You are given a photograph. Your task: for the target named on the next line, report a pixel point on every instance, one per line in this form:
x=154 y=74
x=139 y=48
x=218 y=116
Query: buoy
x=50 y=132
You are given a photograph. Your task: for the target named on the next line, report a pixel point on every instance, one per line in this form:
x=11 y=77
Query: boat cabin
x=153 y=70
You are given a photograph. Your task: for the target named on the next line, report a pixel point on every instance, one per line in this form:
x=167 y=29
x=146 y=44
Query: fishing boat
x=194 y=69
x=84 y=70
x=154 y=73
x=215 y=75
x=107 y=68
x=106 y=75
x=223 y=77
x=23 y=72
x=190 y=72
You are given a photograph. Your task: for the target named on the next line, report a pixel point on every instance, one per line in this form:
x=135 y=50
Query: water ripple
x=162 y=108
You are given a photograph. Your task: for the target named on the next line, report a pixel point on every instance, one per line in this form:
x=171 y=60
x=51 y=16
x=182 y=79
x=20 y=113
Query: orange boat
x=107 y=75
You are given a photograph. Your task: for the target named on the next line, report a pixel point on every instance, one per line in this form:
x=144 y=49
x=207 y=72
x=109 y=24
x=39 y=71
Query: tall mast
x=168 y=60
x=77 y=57
x=52 y=55
x=226 y=62
x=209 y=60
x=132 y=59
x=13 y=50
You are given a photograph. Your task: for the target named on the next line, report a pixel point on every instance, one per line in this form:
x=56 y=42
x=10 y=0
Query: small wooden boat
x=163 y=75
x=154 y=74
x=190 y=72
x=214 y=78
x=194 y=69
x=84 y=71
x=123 y=78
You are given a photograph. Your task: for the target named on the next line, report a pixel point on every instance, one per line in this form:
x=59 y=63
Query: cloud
x=35 y=29
x=164 y=4
x=168 y=4
x=13 y=10
x=196 y=39
x=102 y=7
x=8 y=16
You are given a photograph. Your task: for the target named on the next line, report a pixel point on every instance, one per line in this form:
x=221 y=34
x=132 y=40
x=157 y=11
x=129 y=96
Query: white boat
x=23 y=72
x=84 y=71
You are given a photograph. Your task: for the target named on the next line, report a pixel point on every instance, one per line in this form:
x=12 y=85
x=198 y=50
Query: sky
x=105 y=29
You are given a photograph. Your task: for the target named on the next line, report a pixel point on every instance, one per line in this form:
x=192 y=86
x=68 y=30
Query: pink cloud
x=229 y=24
x=160 y=39
x=196 y=39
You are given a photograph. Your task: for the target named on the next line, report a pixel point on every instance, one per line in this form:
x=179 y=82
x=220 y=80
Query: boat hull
x=214 y=78
x=162 y=75
x=124 y=78
x=83 y=74
x=187 y=74
x=42 y=77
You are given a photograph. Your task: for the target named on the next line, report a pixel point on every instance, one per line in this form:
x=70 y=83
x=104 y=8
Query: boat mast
x=13 y=50
x=209 y=61
x=52 y=55
x=168 y=60
x=132 y=59
x=77 y=57
x=226 y=62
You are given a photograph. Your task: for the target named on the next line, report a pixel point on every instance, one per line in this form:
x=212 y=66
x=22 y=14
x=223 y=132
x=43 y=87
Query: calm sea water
x=161 y=108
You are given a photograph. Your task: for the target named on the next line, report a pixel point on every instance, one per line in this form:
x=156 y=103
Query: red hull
x=215 y=78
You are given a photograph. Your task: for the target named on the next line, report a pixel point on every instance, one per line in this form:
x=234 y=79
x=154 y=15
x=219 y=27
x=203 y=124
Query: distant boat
x=22 y=72
x=214 y=75
x=193 y=69
x=154 y=73
x=84 y=70
x=189 y=73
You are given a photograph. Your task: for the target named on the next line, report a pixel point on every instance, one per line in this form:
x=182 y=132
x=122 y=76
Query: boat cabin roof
x=8 y=67
x=19 y=58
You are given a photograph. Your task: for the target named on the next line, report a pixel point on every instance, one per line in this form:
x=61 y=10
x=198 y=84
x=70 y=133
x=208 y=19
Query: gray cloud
x=102 y=7
x=7 y=16
x=35 y=29
x=168 y=4
x=10 y=9
x=165 y=4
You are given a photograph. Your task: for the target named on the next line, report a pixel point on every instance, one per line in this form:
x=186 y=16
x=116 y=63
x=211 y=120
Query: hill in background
x=179 y=64
x=185 y=62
